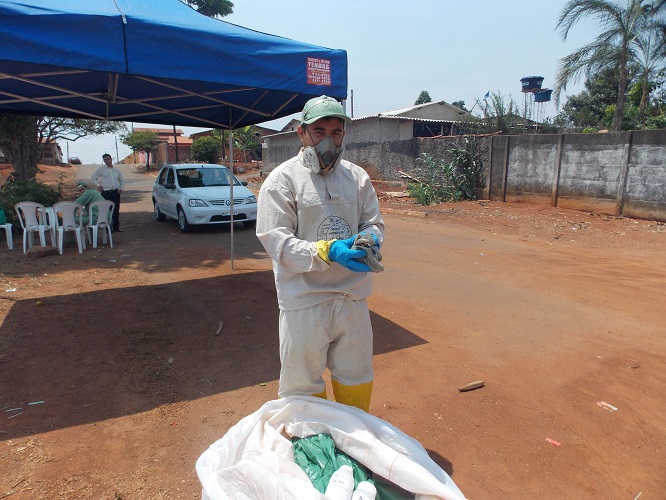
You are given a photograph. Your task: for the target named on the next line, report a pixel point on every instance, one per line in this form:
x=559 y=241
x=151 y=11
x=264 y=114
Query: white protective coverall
x=324 y=317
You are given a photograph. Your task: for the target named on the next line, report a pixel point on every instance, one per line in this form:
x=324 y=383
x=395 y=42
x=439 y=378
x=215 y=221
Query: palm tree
x=613 y=48
x=648 y=60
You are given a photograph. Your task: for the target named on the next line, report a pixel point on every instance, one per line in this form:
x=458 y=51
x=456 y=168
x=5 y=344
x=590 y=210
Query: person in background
x=86 y=196
x=111 y=183
x=311 y=210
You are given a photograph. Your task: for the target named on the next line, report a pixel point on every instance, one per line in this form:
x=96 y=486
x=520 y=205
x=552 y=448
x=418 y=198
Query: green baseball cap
x=322 y=107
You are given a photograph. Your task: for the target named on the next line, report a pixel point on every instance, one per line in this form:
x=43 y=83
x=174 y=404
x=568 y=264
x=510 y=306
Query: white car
x=199 y=194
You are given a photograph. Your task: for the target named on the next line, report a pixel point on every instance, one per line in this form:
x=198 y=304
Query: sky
x=455 y=49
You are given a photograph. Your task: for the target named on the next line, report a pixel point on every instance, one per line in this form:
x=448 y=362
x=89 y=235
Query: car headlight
x=197 y=203
x=250 y=199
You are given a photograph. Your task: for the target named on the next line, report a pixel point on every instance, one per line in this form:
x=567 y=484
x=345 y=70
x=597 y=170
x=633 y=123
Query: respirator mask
x=323 y=157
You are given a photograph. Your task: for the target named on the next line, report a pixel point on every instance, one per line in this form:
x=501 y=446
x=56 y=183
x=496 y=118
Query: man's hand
x=342 y=253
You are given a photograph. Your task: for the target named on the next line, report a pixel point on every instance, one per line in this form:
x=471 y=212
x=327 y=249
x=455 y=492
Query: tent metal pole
x=231 y=188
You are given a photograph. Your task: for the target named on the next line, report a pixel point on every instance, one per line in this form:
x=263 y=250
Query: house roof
x=291 y=126
x=160 y=131
x=262 y=131
x=167 y=135
x=439 y=111
x=182 y=140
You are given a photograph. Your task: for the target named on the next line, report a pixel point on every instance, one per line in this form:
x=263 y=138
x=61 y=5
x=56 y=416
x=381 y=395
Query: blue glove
x=349 y=242
x=341 y=253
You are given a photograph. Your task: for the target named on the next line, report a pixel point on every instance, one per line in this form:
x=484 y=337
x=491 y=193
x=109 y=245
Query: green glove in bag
x=319 y=458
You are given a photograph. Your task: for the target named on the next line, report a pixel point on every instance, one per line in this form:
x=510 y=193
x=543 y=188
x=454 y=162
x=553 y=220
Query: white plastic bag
x=254 y=459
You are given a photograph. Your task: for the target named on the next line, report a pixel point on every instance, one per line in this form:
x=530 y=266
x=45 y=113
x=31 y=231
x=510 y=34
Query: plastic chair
x=72 y=220
x=8 y=230
x=31 y=215
x=103 y=221
x=50 y=220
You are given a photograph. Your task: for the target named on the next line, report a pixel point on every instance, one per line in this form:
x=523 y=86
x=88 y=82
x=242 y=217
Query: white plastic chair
x=31 y=216
x=103 y=221
x=8 y=230
x=72 y=220
x=50 y=220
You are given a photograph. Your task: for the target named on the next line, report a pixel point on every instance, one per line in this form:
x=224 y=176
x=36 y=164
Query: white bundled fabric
x=255 y=460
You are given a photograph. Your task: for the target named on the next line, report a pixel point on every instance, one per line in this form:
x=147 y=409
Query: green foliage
x=589 y=130
x=22 y=137
x=588 y=109
x=52 y=128
x=246 y=141
x=15 y=191
x=631 y=36
x=207 y=149
x=144 y=140
x=458 y=179
x=460 y=104
x=211 y=8
x=500 y=113
x=595 y=107
x=423 y=98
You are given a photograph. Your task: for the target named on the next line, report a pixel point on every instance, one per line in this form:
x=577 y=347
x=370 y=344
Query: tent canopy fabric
x=154 y=61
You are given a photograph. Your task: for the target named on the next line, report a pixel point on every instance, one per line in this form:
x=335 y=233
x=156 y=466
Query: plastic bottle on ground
x=341 y=485
x=364 y=491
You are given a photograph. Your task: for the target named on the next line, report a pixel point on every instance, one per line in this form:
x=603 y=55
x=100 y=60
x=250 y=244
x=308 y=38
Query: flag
x=487 y=95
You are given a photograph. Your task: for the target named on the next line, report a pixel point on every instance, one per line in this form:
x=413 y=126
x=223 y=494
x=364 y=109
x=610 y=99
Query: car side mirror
x=244 y=183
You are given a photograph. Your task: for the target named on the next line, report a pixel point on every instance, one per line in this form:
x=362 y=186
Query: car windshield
x=204 y=177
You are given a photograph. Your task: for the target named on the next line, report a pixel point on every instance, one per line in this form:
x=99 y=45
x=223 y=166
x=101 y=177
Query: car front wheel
x=159 y=216
x=182 y=221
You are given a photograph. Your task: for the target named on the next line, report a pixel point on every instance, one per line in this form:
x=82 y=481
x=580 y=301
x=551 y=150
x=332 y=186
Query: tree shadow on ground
x=87 y=357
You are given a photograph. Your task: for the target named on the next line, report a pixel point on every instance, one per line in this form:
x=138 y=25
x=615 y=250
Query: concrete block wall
x=620 y=173
x=645 y=185
x=279 y=148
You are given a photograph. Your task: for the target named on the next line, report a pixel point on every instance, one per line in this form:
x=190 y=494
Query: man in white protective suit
x=319 y=220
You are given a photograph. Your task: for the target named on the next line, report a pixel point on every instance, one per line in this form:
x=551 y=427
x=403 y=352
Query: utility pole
x=117 y=156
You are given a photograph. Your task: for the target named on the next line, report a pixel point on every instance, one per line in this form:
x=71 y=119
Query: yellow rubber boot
x=353 y=395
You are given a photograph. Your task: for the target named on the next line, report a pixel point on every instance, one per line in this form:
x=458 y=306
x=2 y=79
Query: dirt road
x=556 y=311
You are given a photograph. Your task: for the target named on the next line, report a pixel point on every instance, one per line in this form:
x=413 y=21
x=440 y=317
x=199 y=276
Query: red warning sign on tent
x=319 y=71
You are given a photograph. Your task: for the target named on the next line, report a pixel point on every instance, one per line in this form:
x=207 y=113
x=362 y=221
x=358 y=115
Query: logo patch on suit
x=333 y=228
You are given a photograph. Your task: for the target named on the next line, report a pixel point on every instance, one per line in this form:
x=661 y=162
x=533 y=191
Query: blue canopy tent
x=154 y=61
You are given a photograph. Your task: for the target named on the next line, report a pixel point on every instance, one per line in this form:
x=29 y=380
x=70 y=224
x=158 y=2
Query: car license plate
x=228 y=212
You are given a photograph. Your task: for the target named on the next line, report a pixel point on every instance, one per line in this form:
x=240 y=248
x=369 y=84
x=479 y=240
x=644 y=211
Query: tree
x=145 y=140
x=649 y=57
x=588 y=109
x=23 y=138
x=460 y=104
x=206 y=149
x=423 y=98
x=499 y=113
x=613 y=48
x=246 y=141
x=211 y=8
